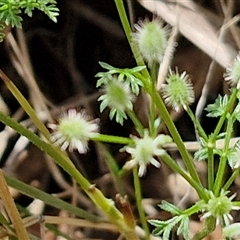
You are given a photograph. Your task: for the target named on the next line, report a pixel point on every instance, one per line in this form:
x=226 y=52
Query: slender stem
x=154 y=72
x=202 y=133
x=152 y=113
x=237 y=203
x=229 y=182
x=223 y=159
x=197 y=124
x=11 y=209
x=193 y=209
x=210 y=166
x=137 y=123
x=113 y=167
x=176 y=168
x=156 y=98
x=209 y=226
x=127 y=29
x=138 y=194
x=112 y=139
x=25 y=105
x=175 y=135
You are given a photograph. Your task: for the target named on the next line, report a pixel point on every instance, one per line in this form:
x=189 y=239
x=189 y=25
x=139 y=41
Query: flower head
x=144 y=151
x=151 y=39
x=118 y=97
x=232 y=74
x=219 y=207
x=178 y=92
x=74 y=130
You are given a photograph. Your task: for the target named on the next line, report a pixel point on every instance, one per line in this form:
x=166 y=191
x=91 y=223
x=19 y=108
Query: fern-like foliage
x=11 y=11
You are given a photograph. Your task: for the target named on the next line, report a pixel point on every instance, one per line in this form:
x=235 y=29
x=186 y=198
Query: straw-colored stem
x=12 y=209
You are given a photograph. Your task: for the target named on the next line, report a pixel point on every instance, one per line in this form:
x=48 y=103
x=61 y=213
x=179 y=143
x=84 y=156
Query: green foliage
x=11 y=11
x=164 y=228
x=218 y=107
x=125 y=74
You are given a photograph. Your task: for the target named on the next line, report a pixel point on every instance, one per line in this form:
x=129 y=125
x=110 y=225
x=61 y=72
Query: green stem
x=176 y=168
x=197 y=124
x=210 y=166
x=156 y=98
x=237 y=203
x=128 y=31
x=192 y=210
x=138 y=125
x=229 y=182
x=154 y=73
x=106 y=205
x=175 y=135
x=223 y=158
x=138 y=195
x=113 y=167
x=152 y=113
x=152 y=116
x=202 y=134
x=209 y=226
x=25 y=105
x=211 y=144
x=112 y=139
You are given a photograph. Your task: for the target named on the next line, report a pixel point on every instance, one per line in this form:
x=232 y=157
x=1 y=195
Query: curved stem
x=209 y=227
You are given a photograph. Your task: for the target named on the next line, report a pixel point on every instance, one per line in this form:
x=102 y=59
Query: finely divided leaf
x=218 y=107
